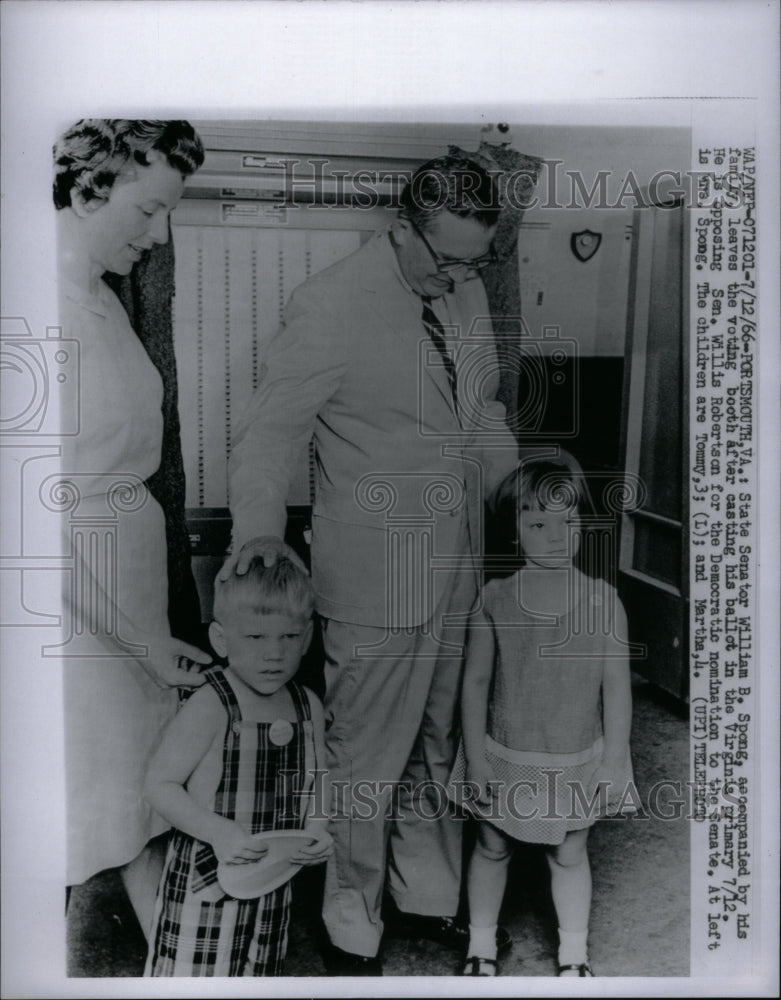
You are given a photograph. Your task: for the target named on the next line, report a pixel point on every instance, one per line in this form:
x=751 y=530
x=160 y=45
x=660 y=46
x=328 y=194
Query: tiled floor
x=640 y=915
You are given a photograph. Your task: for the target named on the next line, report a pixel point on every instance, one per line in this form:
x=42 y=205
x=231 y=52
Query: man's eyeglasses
x=447 y=264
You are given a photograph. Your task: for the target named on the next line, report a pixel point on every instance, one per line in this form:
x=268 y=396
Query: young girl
x=546 y=714
x=239 y=759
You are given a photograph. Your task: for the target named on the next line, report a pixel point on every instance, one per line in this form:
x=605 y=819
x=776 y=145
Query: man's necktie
x=436 y=331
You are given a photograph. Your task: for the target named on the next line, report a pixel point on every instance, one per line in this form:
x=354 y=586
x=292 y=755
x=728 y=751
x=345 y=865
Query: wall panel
x=232 y=285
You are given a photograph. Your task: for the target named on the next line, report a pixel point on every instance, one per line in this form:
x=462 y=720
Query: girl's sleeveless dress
x=198 y=930
x=544 y=726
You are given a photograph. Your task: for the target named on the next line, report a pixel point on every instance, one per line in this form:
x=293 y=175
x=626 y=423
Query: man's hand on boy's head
x=269 y=547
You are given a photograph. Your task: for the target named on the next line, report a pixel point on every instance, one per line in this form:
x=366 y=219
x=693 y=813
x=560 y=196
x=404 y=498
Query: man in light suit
x=387 y=357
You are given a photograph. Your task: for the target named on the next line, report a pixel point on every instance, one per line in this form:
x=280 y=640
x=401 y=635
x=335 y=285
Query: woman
x=116 y=182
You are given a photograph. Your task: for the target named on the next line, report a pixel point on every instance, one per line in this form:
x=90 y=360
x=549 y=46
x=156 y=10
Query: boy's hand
x=481 y=773
x=316 y=853
x=270 y=547
x=173 y=663
x=233 y=845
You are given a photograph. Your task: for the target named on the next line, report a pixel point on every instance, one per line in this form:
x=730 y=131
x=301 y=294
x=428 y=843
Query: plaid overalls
x=197 y=929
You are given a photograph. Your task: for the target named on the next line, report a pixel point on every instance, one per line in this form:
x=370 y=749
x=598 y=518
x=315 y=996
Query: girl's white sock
x=573 y=949
x=482 y=942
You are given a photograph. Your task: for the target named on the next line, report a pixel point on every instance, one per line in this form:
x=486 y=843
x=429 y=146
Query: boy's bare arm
x=478 y=671
x=185 y=743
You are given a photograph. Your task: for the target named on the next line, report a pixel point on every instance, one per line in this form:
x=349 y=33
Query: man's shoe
x=345 y=963
x=445 y=930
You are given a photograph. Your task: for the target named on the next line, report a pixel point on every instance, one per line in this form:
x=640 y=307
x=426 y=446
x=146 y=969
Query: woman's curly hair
x=95 y=151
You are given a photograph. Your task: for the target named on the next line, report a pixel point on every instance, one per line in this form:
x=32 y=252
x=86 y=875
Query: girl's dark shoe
x=583 y=970
x=479 y=966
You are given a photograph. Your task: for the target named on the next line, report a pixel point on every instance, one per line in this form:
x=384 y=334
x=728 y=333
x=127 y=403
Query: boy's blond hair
x=281 y=588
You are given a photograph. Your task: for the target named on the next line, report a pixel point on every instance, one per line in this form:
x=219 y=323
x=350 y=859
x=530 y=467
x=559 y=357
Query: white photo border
x=593 y=62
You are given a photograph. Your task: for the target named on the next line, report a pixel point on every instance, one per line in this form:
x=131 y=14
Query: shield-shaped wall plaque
x=585 y=244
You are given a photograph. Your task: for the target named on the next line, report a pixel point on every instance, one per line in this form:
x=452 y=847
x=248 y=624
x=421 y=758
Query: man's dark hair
x=453 y=184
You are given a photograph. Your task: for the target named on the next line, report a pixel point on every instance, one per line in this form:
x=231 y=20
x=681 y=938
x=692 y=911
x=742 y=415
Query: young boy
x=238 y=759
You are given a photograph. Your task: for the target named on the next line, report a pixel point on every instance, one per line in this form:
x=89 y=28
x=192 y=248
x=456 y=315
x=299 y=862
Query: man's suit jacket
x=399 y=482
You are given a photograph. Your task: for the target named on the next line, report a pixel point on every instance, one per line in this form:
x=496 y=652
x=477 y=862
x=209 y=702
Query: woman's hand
x=316 y=853
x=173 y=663
x=233 y=845
x=268 y=547
x=480 y=773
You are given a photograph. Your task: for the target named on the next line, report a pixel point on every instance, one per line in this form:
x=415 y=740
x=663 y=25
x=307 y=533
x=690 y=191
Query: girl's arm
x=317 y=819
x=474 y=703
x=617 y=697
x=185 y=743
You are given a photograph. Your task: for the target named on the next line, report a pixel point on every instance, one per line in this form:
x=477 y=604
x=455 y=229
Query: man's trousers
x=391 y=715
